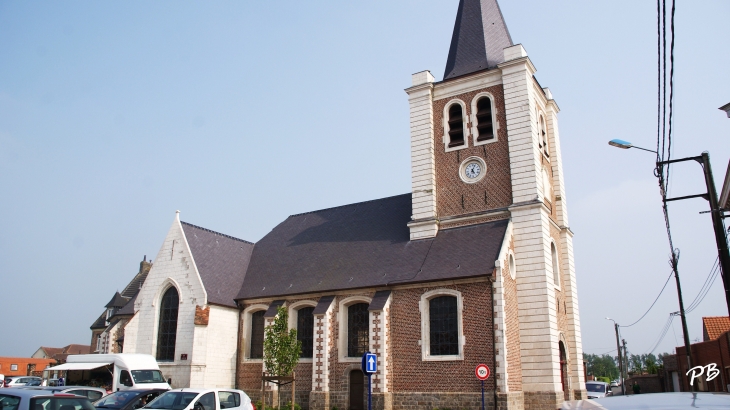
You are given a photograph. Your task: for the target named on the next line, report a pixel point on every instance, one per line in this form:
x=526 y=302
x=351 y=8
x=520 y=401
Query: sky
x=113 y=115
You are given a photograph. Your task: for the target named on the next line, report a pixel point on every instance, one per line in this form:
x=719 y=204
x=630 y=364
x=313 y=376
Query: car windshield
x=596 y=388
x=60 y=403
x=116 y=400
x=147 y=376
x=172 y=400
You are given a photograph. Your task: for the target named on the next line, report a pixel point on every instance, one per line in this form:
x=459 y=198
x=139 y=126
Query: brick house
x=59 y=354
x=715 y=348
x=474 y=265
x=24 y=366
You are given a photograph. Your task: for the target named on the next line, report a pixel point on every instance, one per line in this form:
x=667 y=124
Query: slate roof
x=714 y=326
x=117 y=301
x=136 y=283
x=479 y=38
x=128 y=309
x=100 y=322
x=364 y=245
x=221 y=260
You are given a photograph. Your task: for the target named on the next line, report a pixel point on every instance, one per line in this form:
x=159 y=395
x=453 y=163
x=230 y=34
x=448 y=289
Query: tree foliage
x=646 y=363
x=601 y=366
x=281 y=347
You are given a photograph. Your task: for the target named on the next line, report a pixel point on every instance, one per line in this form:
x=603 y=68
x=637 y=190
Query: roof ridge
x=217 y=233
x=346 y=205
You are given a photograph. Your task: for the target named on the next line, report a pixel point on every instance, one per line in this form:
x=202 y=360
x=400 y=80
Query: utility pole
x=626 y=360
x=618 y=351
x=717 y=223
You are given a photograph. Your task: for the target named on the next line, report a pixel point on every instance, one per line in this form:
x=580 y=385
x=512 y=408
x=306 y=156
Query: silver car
x=23 y=399
x=654 y=401
x=93 y=393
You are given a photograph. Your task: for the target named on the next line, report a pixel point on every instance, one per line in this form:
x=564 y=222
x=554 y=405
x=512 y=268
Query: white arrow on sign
x=371 y=364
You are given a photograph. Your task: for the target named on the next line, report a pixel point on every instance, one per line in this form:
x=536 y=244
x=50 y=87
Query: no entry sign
x=482 y=372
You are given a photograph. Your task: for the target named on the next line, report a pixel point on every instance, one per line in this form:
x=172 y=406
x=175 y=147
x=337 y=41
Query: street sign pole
x=482 y=372
x=369 y=366
x=482 y=394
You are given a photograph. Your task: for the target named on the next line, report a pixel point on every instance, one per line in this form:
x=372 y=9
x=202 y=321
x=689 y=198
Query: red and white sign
x=482 y=372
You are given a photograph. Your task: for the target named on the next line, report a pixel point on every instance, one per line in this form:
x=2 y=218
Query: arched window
x=456 y=125
x=305 y=331
x=542 y=131
x=358 y=338
x=512 y=267
x=484 y=119
x=444 y=326
x=556 y=264
x=167 y=330
x=257 y=335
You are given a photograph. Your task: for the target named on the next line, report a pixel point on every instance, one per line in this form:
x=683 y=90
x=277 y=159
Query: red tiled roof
x=714 y=326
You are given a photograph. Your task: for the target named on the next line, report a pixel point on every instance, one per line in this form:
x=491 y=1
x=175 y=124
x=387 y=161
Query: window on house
x=358 y=339
x=556 y=264
x=444 y=326
x=167 y=331
x=484 y=119
x=305 y=331
x=456 y=125
x=257 y=335
x=13 y=367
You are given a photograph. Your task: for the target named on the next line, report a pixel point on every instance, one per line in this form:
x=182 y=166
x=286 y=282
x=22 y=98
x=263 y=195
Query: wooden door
x=357 y=390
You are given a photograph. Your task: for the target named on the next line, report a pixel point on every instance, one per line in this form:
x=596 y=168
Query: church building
x=473 y=266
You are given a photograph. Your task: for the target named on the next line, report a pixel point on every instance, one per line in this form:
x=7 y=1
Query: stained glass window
x=257 y=335
x=305 y=330
x=444 y=324
x=358 y=339
x=167 y=331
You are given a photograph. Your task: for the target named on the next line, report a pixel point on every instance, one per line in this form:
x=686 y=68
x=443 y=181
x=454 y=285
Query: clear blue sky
x=115 y=114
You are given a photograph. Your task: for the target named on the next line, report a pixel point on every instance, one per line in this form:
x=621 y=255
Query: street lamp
x=626 y=145
x=618 y=351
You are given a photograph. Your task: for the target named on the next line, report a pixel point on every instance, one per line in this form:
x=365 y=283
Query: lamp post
x=618 y=351
x=713 y=206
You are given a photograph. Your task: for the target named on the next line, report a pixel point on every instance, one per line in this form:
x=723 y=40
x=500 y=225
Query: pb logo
x=697 y=371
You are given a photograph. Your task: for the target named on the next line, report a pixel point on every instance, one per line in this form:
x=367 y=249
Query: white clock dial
x=472 y=170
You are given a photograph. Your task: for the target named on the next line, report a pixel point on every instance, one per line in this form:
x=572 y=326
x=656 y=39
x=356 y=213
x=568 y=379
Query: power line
x=652 y=305
x=705 y=287
x=663 y=333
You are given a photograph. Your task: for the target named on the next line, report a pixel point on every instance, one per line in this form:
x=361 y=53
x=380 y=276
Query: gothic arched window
x=167 y=330
x=358 y=338
x=556 y=263
x=305 y=331
x=444 y=326
x=456 y=125
x=257 y=335
x=485 y=126
x=543 y=137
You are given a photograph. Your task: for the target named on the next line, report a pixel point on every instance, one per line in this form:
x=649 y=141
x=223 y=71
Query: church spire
x=480 y=35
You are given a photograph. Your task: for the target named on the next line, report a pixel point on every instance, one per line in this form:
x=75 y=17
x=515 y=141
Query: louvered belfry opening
x=484 y=119
x=167 y=331
x=456 y=126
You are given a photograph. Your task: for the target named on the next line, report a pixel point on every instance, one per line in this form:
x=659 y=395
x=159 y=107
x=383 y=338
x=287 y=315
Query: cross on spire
x=480 y=35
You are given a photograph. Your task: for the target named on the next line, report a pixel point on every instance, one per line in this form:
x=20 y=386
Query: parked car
x=92 y=393
x=24 y=399
x=654 y=401
x=15 y=381
x=202 y=399
x=128 y=399
x=596 y=390
x=615 y=383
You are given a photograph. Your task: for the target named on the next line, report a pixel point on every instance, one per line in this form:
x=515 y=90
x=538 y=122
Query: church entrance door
x=564 y=371
x=357 y=390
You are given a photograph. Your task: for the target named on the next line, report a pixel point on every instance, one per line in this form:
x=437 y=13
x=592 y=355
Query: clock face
x=472 y=170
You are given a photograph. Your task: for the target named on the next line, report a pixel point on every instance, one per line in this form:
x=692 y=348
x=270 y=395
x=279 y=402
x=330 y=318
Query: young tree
x=281 y=347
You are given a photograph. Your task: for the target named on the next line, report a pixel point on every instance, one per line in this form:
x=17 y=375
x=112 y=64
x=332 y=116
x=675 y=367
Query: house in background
x=59 y=354
x=107 y=332
x=714 y=348
x=24 y=366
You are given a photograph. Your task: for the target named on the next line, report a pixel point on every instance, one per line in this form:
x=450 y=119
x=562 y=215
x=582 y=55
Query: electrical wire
x=652 y=305
x=662 y=334
x=705 y=287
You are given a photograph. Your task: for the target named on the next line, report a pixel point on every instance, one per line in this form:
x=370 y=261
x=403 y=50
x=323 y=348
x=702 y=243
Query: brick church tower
x=485 y=146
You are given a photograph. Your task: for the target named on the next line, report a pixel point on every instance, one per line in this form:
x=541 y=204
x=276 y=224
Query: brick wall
x=512 y=328
x=492 y=191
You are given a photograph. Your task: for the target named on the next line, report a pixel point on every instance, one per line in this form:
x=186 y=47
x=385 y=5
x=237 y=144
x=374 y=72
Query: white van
x=120 y=371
